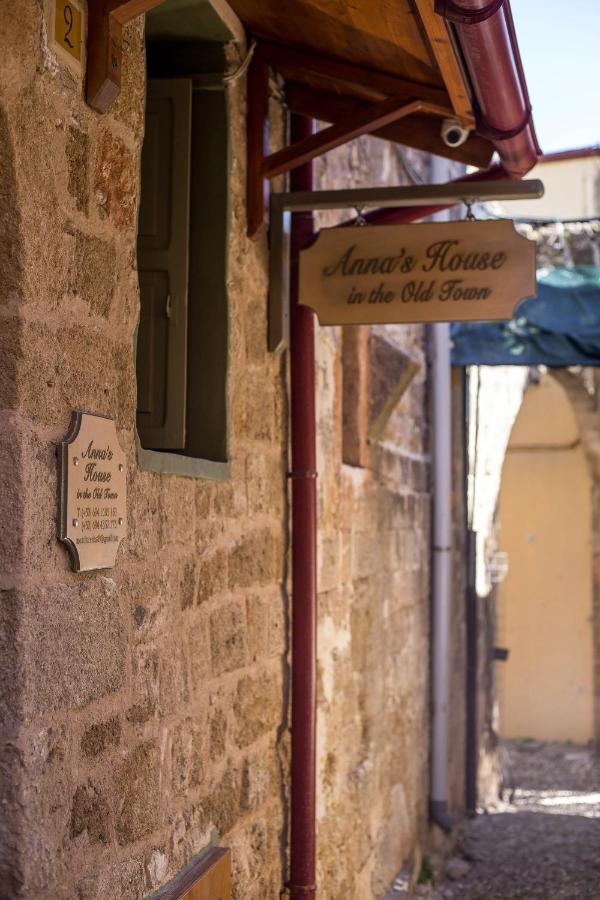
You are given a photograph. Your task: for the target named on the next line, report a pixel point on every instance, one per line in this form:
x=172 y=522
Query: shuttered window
x=182 y=261
x=163 y=263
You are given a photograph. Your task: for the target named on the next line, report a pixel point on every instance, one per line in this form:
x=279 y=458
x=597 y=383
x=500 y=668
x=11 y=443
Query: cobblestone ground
x=542 y=841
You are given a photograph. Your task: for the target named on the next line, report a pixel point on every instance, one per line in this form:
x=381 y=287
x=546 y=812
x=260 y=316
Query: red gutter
x=302 y=884
x=486 y=36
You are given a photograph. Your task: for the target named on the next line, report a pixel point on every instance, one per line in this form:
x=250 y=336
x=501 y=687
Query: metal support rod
x=408 y=195
x=304 y=559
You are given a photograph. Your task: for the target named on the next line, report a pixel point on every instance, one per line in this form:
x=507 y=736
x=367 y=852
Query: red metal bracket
x=104 y=50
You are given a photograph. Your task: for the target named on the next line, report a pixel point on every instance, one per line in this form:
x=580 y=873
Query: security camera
x=453 y=133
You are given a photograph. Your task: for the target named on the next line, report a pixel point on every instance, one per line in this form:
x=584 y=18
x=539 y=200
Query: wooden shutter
x=163 y=254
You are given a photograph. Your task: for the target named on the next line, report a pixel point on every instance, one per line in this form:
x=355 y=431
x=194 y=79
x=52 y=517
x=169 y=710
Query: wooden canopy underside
x=338 y=57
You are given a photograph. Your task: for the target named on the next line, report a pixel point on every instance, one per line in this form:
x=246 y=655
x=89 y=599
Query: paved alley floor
x=542 y=842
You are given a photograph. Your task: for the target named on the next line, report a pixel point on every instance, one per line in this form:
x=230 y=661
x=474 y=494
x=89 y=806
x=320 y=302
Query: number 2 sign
x=68 y=31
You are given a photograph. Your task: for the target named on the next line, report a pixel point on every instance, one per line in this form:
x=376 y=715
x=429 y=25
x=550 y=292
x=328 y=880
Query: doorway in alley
x=544 y=611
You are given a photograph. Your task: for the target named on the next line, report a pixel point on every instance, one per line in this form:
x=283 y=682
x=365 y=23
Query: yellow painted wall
x=571 y=190
x=545 y=603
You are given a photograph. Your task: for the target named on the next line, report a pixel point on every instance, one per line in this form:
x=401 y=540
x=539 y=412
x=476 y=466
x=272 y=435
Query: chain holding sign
x=433 y=272
x=93 y=498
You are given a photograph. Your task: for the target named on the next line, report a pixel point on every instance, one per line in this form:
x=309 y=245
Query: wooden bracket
x=263 y=166
x=365 y=122
x=104 y=54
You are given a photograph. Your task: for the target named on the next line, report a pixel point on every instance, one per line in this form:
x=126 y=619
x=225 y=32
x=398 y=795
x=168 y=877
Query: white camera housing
x=453 y=133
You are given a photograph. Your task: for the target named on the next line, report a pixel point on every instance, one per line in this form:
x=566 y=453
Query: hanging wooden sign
x=434 y=272
x=93 y=498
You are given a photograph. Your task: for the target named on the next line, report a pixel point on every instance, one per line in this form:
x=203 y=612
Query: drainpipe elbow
x=439 y=815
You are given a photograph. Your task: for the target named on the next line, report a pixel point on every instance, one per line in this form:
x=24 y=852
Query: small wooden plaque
x=433 y=272
x=93 y=497
x=208 y=877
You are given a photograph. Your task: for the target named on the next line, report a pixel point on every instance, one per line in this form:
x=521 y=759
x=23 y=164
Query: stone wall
x=146 y=708
x=373 y=632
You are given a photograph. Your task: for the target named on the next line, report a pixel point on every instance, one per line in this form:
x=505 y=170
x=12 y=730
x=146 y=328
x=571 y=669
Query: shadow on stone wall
x=11 y=513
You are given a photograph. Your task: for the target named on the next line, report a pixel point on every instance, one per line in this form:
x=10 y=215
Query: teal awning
x=559 y=327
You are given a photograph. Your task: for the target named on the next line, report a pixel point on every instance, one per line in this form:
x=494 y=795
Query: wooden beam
x=126 y=10
x=296 y=65
x=257 y=139
x=347 y=129
x=446 y=59
x=104 y=55
x=421 y=131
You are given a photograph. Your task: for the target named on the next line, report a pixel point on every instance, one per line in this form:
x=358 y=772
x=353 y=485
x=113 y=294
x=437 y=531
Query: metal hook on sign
x=360 y=219
x=470 y=216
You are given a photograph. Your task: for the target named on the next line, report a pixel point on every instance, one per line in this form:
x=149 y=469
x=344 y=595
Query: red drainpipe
x=302 y=884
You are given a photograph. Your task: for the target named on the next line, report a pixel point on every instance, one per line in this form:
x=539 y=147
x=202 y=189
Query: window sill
x=166 y=463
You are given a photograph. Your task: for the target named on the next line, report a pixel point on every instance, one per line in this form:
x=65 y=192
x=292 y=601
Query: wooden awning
x=340 y=58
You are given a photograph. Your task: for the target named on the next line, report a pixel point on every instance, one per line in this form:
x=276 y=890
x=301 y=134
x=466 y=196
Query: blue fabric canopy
x=559 y=327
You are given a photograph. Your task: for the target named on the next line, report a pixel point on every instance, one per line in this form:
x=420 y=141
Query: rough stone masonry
x=146 y=708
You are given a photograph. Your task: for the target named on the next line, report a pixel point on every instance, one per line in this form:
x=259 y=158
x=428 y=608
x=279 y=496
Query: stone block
x=225 y=798
x=260 y=780
x=258 y=706
x=212 y=574
x=278 y=636
x=124 y=879
x=72 y=642
x=259 y=421
x=178 y=510
x=189 y=754
x=144 y=538
x=145 y=686
x=90 y=813
x=11 y=263
x=115 y=180
x=218 y=733
x=99 y=736
x=73 y=368
x=228 y=643
x=188 y=584
x=94 y=272
x=257 y=618
x=77 y=150
x=137 y=790
x=253 y=560
x=230 y=499
x=265 y=484
x=199 y=651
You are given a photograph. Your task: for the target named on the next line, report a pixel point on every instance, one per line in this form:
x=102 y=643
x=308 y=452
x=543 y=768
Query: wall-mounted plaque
x=434 y=272
x=68 y=32
x=93 y=496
